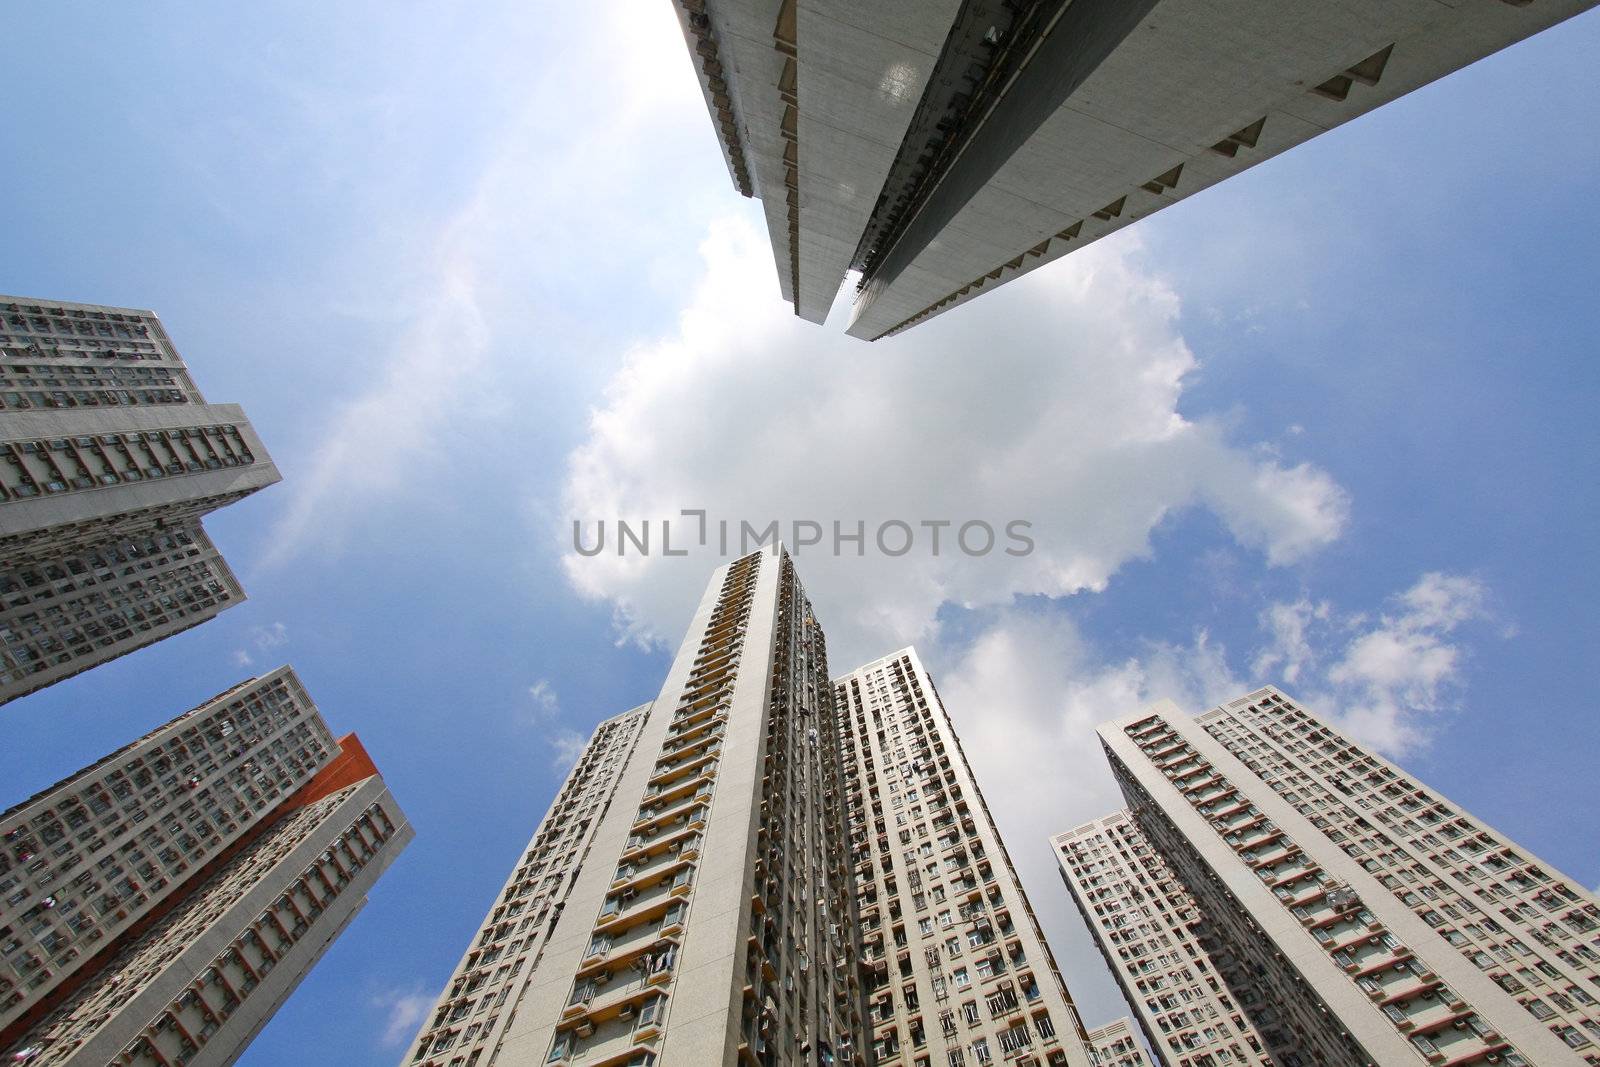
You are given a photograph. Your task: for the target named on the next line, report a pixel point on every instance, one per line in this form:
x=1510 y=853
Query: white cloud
x=1055 y=400
x=1026 y=697
x=545 y=703
x=562 y=743
x=1029 y=689
x=403 y=1011
x=1395 y=674
x=272 y=635
x=263 y=639
x=565 y=747
x=375 y=436
x=1380 y=678
x=1027 y=693
x=1289 y=650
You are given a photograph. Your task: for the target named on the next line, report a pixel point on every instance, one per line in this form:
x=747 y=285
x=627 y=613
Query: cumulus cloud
x=1380 y=677
x=1288 y=650
x=1027 y=694
x=1026 y=697
x=1396 y=673
x=1056 y=401
x=403 y=1011
x=1028 y=691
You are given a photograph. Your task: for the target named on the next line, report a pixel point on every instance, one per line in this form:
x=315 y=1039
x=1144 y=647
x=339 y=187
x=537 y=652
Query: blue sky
x=477 y=270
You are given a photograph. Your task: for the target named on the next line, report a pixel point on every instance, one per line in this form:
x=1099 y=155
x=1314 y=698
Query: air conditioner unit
x=626 y=1011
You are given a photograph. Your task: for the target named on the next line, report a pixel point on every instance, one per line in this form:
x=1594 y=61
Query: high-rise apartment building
x=477 y=1004
x=1147 y=927
x=158 y=906
x=109 y=457
x=706 y=913
x=1382 y=923
x=943 y=148
x=1114 y=1045
x=959 y=974
x=722 y=878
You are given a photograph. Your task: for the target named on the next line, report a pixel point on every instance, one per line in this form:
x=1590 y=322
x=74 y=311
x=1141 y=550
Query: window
x=1014 y=1039
x=1572 y=1037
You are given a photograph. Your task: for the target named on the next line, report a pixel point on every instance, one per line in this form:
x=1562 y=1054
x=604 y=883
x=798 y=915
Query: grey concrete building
x=477 y=1004
x=1115 y=1045
x=941 y=148
x=1148 y=929
x=1381 y=923
x=958 y=971
x=704 y=899
x=109 y=458
x=158 y=906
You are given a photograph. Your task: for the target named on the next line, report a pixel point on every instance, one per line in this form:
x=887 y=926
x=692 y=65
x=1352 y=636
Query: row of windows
x=88 y=856
x=471 y=1008
x=176 y=1034
x=1332 y=913
x=896 y=728
x=64 y=464
x=1281 y=743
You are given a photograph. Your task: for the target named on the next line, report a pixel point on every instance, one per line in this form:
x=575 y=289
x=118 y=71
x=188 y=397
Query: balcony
x=651 y=957
x=1358 y=937
x=701 y=728
x=626 y=907
x=705 y=761
x=1370 y=960
x=675 y=748
x=622 y=1034
x=680 y=808
x=645 y=871
x=685 y=843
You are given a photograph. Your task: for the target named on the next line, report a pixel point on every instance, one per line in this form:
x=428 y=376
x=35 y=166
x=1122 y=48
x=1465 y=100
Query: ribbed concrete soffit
x=991 y=91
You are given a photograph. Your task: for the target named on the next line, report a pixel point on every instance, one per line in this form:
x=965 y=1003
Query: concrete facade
x=951 y=148
x=477 y=1004
x=160 y=905
x=811 y=100
x=1381 y=924
x=958 y=971
x=1149 y=930
x=707 y=918
x=705 y=888
x=1114 y=1045
x=109 y=458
